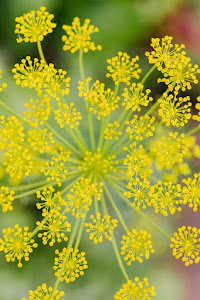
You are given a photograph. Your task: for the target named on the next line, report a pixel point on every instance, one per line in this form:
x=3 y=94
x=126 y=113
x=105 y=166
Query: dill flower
x=81 y=196
x=18 y=162
x=112 y=132
x=67 y=115
x=101 y=227
x=134 y=97
x=40 y=139
x=17 y=244
x=139 y=128
x=186 y=245
x=136 y=246
x=69 y=264
x=6 y=198
x=44 y=292
x=190 y=192
x=50 y=201
x=175 y=111
x=34 y=25
x=122 y=69
x=167 y=197
x=172 y=149
x=197 y=106
x=38 y=111
x=55 y=228
x=11 y=132
x=138 y=191
x=136 y=290
x=78 y=37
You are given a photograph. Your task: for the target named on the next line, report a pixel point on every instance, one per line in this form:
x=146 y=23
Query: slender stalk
x=12 y=112
x=147 y=74
x=27 y=186
x=114 y=244
x=155 y=105
x=115 y=208
x=91 y=129
x=41 y=51
x=64 y=141
x=81 y=70
x=80 y=232
x=195 y=129
x=147 y=219
x=76 y=129
x=77 y=141
x=101 y=132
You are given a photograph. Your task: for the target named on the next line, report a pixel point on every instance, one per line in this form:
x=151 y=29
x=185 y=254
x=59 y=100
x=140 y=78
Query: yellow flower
x=167 y=197
x=138 y=290
x=40 y=139
x=6 y=198
x=112 y=132
x=175 y=111
x=2 y=85
x=141 y=127
x=197 y=106
x=17 y=244
x=122 y=69
x=55 y=228
x=191 y=191
x=101 y=227
x=43 y=292
x=18 y=162
x=186 y=245
x=11 y=132
x=34 y=26
x=67 y=115
x=134 y=97
x=78 y=37
x=69 y=264
x=136 y=246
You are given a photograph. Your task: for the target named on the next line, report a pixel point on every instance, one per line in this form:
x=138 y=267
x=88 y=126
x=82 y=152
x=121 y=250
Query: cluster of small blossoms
x=76 y=170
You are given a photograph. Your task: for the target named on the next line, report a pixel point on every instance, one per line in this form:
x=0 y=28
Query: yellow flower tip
x=33 y=26
x=46 y=293
x=186 y=245
x=78 y=37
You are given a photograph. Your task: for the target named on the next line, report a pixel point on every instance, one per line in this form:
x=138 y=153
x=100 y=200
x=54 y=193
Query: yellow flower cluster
x=186 y=245
x=136 y=246
x=175 y=111
x=6 y=198
x=69 y=264
x=55 y=228
x=177 y=70
x=17 y=244
x=34 y=26
x=78 y=37
x=40 y=139
x=122 y=69
x=81 y=196
x=197 y=106
x=101 y=227
x=139 y=128
x=112 y=132
x=2 y=85
x=67 y=115
x=191 y=191
x=138 y=290
x=44 y=292
x=134 y=97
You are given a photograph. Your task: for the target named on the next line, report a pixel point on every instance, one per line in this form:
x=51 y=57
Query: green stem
x=72 y=148
x=27 y=186
x=114 y=244
x=147 y=219
x=41 y=51
x=155 y=105
x=81 y=70
x=91 y=129
x=101 y=132
x=147 y=74
x=77 y=141
x=12 y=112
x=115 y=208
x=76 y=129
x=80 y=233
x=193 y=130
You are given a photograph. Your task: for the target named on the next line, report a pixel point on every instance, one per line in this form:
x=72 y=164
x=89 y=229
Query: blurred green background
x=127 y=26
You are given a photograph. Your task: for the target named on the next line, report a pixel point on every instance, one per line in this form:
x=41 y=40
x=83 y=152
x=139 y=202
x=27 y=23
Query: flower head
x=67 y=115
x=6 y=198
x=197 y=106
x=2 y=85
x=34 y=26
x=122 y=69
x=101 y=227
x=78 y=37
x=186 y=245
x=136 y=246
x=139 y=128
x=191 y=191
x=17 y=244
x=43 y=292
x=138 y=290
x=69 y=264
